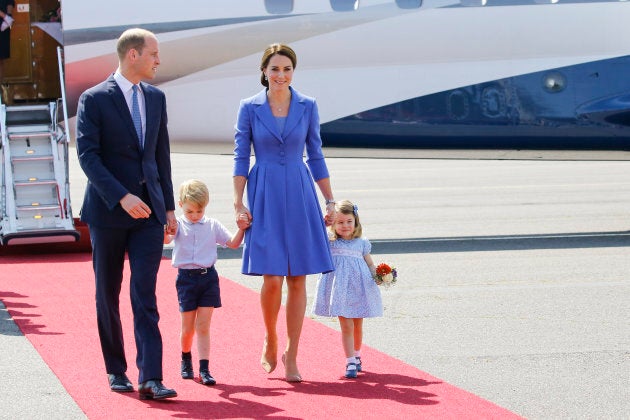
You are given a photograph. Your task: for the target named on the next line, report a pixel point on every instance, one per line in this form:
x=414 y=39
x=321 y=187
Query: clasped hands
x=329 y=218
x=171 y=223
x=243 y=217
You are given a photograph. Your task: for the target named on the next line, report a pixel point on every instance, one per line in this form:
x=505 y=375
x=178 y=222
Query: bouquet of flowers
x=385 y=274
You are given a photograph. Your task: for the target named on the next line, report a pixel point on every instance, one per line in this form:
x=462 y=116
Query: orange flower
x=385 y=274
x=383 y=269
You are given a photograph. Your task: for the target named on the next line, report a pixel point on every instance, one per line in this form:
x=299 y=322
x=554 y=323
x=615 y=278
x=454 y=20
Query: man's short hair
x=133 y=38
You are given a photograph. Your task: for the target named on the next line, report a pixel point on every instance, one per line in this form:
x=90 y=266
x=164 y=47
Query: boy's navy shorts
x=198 y=288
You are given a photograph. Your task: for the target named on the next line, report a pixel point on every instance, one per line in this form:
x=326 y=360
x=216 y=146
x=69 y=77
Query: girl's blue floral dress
x=350 y=290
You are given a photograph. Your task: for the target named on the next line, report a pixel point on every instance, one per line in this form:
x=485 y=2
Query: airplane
x=537 y=74
x=459 y=74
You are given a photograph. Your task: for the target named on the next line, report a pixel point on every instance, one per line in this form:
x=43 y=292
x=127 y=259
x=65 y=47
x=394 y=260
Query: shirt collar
x=124 y=84
x=203 y=220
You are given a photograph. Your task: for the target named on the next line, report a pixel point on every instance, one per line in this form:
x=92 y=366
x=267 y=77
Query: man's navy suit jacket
x=111 y=156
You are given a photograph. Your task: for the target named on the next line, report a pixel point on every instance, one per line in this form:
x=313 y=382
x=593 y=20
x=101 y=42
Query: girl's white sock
x=357 y=353
x=352 y=360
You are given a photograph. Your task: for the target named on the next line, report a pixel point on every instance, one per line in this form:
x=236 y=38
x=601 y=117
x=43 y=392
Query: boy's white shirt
x=195 y=244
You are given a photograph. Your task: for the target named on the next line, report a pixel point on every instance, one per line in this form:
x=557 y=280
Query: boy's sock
x=203 y=364
x=187 y=356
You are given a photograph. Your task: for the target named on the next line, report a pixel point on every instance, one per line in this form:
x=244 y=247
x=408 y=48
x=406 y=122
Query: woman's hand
x=243 y=217
x=242 y=221
x=330 y=214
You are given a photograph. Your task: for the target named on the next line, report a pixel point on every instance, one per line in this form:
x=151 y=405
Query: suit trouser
x=143 y=243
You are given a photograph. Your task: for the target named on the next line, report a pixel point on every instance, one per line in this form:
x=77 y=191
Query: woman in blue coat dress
x=287 y=237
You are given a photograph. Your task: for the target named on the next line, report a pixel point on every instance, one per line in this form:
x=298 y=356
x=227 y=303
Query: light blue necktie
x=135 y=115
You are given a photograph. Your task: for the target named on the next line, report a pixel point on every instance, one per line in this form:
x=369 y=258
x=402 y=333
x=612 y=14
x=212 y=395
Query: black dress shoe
x=205 y=378
x=155 y=390
x=187 y=369
x=119 y=383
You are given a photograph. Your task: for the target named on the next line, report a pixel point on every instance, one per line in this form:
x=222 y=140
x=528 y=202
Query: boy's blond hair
x=194 y=191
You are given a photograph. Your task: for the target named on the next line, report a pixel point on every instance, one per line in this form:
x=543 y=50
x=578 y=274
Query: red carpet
x=51 y=297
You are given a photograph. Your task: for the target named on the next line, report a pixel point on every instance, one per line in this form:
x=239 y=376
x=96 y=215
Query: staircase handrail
x=62 y=84
x=65 y=137
x=3 y=137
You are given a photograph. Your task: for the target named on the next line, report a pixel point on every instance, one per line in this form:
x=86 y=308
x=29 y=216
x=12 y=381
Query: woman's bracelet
x=331 y=201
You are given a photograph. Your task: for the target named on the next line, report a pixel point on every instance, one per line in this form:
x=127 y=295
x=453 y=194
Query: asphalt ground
x=514 y=274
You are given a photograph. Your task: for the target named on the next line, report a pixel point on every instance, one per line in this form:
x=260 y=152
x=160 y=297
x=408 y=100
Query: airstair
x=35 y=202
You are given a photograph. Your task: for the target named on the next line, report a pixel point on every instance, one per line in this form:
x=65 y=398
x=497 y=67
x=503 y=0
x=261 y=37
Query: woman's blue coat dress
x=288 y=234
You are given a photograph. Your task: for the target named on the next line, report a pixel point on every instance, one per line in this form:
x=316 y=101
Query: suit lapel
x=121 y=105
x=150 y=111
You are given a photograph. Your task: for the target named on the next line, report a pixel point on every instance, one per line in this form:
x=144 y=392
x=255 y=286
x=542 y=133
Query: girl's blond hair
x=347 y=207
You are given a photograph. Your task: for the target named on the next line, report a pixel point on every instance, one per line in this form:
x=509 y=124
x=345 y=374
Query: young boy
x=194 y=254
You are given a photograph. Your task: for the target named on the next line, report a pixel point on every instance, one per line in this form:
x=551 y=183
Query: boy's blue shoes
x=351 y=370
x=205 y=378
x=187 y=369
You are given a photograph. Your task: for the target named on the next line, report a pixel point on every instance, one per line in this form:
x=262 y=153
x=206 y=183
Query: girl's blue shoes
x=359 y=368
x=351 y=370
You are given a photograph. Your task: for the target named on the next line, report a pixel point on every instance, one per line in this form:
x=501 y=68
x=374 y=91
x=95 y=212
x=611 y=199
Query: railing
x=67 y=205
x=62 y=83
x=3 y=139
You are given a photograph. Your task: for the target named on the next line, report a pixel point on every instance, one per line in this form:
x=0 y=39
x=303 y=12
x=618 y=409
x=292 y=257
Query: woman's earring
x=265 y=77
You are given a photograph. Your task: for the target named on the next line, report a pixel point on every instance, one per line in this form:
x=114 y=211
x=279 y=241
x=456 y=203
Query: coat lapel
x=263 y=112
x=296 y=110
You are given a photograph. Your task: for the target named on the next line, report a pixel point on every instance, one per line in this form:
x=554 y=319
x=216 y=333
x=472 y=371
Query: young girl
x=349 y=292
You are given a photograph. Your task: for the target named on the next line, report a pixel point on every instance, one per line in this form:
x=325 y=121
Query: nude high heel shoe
x=268 y=365
x=290 y=377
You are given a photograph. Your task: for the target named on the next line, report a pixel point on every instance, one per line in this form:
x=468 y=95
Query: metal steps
x=35 y=186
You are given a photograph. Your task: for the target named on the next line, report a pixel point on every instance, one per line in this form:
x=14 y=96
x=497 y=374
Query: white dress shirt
x=127 y=89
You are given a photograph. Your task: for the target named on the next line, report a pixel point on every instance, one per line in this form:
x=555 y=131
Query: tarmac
x=514 y=274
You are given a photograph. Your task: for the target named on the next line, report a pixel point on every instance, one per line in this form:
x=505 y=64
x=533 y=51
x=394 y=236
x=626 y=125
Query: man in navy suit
x=123 y=148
